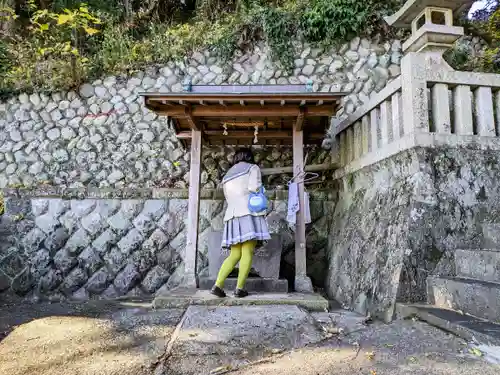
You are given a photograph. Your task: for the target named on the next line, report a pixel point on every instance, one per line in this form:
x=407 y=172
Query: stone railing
x=463 y=103
x=372 y=126
x=426 y=106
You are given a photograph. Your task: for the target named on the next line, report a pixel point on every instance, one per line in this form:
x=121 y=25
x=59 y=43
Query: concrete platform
x=252 y=285
x=233 y=336
x=467 y=327
x=185 y=298
x=474 y=297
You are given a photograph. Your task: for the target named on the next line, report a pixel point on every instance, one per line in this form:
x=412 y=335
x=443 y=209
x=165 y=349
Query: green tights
x=243 y=253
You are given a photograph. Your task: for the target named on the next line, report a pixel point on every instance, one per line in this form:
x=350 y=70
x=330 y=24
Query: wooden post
x=191 y=254
x=302 y=281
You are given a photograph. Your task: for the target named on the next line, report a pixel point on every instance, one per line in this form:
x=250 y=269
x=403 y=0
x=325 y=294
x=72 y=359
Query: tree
x=6 y=16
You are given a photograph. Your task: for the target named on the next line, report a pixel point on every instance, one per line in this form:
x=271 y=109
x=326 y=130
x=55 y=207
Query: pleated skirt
x=241 y=229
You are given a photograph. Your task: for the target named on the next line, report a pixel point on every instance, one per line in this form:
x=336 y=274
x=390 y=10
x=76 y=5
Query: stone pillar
x=414 y=93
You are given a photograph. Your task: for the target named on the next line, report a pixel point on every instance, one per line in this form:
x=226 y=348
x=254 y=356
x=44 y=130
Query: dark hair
x=243 y=155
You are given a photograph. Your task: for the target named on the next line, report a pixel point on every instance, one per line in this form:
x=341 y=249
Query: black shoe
x=240 y=293
x=216 y=291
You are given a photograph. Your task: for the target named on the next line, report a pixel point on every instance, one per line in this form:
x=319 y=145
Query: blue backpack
x=257 y=202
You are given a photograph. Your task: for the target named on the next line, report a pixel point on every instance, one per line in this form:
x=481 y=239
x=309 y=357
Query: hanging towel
x=293 y=203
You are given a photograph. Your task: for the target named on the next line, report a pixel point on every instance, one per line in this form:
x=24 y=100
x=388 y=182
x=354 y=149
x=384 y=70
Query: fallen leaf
x=389 y=346
x=193 y=334
x=412 y=359
x=370 y=356
x=476 y=352
x=373 y=372
x=221 y=369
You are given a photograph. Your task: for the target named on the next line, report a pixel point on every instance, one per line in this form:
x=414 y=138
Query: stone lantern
x=431 y=24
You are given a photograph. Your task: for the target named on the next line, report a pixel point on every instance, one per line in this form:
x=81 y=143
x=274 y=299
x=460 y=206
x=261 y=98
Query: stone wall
x=82 y=244
x=102 y=135
x=400 y=220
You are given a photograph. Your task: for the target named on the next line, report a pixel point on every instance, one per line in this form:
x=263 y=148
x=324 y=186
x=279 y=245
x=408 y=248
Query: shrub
x=67 y=42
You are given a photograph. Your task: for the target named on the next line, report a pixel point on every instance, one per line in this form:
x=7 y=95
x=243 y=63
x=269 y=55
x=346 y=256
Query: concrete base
x=252 y=285
x=475 y=297
x=303 y=284
x=185 y=298
x=465 y=326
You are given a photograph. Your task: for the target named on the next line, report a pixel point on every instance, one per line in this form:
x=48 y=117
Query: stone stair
x=467 y=303
x=475 y=297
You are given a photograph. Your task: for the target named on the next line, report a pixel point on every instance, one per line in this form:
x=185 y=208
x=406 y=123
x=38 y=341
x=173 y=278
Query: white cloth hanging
x=294 y=205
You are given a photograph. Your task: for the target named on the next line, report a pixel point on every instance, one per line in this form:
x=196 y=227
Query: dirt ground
x=83 y=339
x=124 y=338
x=402 y=348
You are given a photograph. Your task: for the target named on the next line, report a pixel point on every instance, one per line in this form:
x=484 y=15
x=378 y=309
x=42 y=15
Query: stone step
x=468 y=327
x=478 y=264
x=185 y=298
x=252 y=285
x=470 y=296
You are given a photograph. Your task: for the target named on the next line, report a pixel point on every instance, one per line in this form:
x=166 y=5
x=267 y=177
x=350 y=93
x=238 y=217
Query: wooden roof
x=275 y=109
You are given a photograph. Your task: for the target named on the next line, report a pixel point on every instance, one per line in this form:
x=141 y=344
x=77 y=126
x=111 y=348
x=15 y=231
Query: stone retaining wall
x=103 y=136
x=81 y=244
x=400 y=220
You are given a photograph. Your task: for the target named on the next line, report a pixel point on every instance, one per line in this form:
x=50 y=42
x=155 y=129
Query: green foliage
x=60 y=43
x=332 y=20
x=485 y=24
x=278 y=28
x=459 y=58
x=109 y=9
x=5 y=58
x=51 y=54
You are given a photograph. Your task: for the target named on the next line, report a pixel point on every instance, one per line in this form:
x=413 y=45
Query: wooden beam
x=248 y=111
x=191 y=254
x=189 y=118
x=243 y=134
x=307 y=168
x=299 y=123
x=250 y=97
